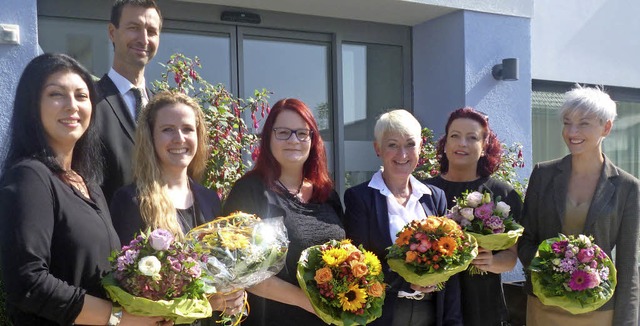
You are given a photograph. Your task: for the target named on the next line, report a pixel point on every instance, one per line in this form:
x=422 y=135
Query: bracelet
x=115 y=317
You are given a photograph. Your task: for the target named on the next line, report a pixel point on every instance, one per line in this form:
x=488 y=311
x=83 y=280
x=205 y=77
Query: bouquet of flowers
x=573 y=273
x=430 y=251
x=242 y=250
x=343 y=282
x=487 y=220
x=157 y=276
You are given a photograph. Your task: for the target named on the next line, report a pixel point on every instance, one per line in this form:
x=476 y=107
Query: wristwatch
x=116 y=315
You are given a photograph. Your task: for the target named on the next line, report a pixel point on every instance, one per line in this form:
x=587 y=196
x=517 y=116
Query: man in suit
x=134 y=30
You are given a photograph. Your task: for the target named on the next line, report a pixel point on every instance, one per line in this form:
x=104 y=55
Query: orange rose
x=410 y=256
x=448 y=225
x=431 y=224
x=355 y=256
x=358 y=269
x=323 y=275
x=375 y=290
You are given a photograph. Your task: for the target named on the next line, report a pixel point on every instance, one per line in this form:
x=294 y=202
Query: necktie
x=137 y=94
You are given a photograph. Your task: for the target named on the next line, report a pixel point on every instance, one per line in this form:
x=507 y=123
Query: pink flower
x=160 y=239
x=586 y=255
x=559 y=246
x=582 y=280
x=484 y=212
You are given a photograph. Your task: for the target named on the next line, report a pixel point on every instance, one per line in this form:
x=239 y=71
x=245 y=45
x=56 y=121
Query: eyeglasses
x=285 y=133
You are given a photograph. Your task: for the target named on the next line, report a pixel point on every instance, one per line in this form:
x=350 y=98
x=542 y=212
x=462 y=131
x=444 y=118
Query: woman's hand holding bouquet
x=242 y=250
x=157 y=276
x=343 y=282
x=488 y=220
x=573 y=273
x=430 y=251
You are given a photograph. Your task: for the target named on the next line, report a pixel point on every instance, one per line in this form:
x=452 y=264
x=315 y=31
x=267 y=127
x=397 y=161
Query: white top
x=124 y=87
x=400 y=215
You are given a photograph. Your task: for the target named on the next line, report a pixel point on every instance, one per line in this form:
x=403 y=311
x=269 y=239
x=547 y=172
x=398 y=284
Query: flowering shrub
x=429 y=251
x=573 y=273
x=232 y=144
x=343 y=282
x=156 y=276
x=512 y=158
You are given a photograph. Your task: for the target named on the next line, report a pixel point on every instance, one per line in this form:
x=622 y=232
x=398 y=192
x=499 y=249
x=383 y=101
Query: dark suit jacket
x=612 y=219
x=367 y=223
x=117 y=131
x=125 y=210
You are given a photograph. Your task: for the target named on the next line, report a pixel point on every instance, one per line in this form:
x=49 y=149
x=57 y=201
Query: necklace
x=289 y=191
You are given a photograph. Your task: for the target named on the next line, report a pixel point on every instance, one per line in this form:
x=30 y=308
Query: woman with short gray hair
x=376 y=210
x=585 y=193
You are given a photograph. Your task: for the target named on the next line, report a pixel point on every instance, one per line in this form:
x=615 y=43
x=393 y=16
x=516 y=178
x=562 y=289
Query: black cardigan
x=54 y=243
x=125 y=211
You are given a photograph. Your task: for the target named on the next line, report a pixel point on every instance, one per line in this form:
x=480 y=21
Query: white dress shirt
x=124 y=87
x=400 y=215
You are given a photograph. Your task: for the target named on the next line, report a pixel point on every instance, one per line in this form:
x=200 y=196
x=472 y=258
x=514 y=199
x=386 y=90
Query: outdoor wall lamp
x=507 y=70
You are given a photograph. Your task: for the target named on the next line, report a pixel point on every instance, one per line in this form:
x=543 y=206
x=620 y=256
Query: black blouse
x=307 y=224
x=483 y=300
x=54 y=243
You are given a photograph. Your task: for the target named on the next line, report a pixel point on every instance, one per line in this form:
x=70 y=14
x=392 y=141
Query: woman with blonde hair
x=376 y=210
x=585 y=193
x=169 y=159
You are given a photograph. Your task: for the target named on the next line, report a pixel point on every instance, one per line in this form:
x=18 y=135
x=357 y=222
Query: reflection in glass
x=86 y=41
x=295 y=69
x=372 y=84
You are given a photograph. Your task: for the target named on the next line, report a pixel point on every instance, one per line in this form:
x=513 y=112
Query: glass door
x=290 y=65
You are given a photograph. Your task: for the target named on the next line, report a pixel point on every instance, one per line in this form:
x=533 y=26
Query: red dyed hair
x=488 y=163
x=314 y=169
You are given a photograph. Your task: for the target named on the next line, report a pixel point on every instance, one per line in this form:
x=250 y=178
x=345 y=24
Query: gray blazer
x=612 y=219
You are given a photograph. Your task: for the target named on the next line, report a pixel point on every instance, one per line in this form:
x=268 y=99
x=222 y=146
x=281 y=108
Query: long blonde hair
x=156 y=208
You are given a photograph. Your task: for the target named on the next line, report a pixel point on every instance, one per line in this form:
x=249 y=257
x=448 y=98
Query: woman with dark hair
x=378 y=209
x=468 y=153
x=290 y=180
x=55 y=230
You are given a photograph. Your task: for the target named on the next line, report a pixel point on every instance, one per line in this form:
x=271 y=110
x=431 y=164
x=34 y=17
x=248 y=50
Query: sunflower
x=373 y=262
x=355 y=298
x=446 y=246
x=334 y=256
x=232 y=240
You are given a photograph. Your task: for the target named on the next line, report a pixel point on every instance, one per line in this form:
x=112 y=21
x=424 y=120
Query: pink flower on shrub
x=586 y=255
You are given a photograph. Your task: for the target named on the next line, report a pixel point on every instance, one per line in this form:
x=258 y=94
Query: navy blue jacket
x=367 y=223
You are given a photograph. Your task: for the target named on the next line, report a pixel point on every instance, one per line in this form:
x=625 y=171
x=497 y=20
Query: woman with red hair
x=290 y=180
x=469 y=153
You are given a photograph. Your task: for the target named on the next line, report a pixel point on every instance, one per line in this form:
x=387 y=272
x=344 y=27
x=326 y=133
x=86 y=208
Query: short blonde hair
x=398 y=120
x=588 y=101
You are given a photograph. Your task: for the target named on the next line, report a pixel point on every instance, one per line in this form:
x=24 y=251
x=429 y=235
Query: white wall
x=13 y=58
x=587 y=41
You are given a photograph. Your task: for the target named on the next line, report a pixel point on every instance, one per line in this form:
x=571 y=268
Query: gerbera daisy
x=354 y=299
x=334 y=256
x=446 y=246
